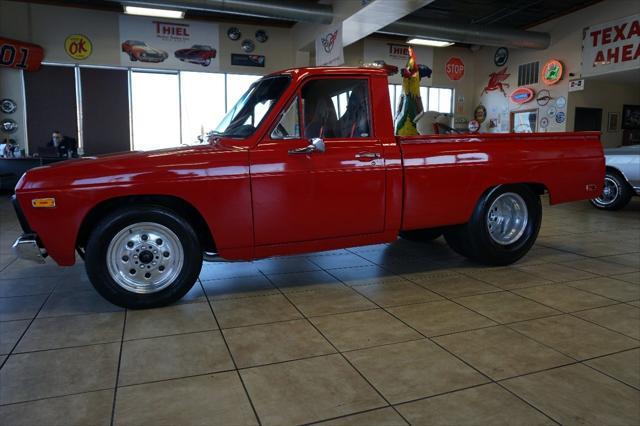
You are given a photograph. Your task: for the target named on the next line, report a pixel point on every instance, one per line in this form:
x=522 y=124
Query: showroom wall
x=566 y=45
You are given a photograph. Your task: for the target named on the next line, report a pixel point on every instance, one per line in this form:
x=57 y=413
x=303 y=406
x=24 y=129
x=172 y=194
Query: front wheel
x=206 y=62
x=143 y=257
x=503 y=228
x=615 y=193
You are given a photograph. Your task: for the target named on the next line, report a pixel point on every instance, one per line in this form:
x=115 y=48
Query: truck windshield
x=244 y=118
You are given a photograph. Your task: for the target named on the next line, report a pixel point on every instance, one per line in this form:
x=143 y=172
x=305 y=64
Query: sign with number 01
x=20 y=55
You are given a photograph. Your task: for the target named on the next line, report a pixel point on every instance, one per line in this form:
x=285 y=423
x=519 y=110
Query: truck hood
x=185 y=163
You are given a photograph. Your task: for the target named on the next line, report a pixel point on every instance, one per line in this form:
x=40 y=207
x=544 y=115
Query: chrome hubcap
x=507 y=218
x=145 y=257
x=609 y=193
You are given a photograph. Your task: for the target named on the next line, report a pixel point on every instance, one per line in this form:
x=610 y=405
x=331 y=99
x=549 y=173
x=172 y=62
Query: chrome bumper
x=26 y=247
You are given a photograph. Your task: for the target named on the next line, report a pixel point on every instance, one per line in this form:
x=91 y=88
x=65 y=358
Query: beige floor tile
x=59 y=372
x=622 y=318
x=631 y=259
x=10 y=332
x=574 y=337
x=76 y=303
x=327 y=301
x=564 y=298
x=635 y=303
x=269 y=343
x=365 y=275
x=92 y=408
x=61 y=332
x=396 y=293
x=500 y=352
x=304 y=281
x=482 y=405
x=436 y=318
x=624 y=366
x=609 y=287
x=508 y=278
x=411 y=370
x=254 y=310
x=380 y=417
x=233 y=288
x=177 y=319
x=308 y=390
x=457 y=286
x=578 y=395
x=202 y=400
x=506 y=307
x=285 y=265
x=364 y=329
x=600 y=267
x=20 y=308
x=170 y=357
x=346 y=260
x=633 y=277
x=557 y=273
x=219 y=270
x=27 y=287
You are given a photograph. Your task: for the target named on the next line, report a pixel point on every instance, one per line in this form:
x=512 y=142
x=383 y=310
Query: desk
x=12 y=168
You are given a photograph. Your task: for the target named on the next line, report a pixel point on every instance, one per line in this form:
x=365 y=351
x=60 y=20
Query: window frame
x=281 y=114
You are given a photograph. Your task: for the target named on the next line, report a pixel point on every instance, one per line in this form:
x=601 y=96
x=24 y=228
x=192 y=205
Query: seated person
x=66 y=146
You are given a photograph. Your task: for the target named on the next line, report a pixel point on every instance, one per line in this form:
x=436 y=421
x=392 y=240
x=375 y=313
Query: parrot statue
x=410 y=105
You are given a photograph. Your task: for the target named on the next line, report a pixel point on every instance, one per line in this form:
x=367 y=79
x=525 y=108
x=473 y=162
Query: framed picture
x=612 y=122
x=631 y=117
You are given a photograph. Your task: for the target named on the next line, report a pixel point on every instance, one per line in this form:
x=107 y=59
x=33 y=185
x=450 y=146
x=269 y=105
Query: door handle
x=367 y=156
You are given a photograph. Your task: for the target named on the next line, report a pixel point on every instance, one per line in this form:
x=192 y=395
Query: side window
x=336 y=108
x=289 y=125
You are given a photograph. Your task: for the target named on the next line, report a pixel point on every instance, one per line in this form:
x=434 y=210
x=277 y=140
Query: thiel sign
x=611 y=46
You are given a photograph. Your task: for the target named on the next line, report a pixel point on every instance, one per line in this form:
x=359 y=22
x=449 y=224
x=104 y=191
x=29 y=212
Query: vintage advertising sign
x=576 y=85
x=168 y=44
x=552 y=72
x=612 y=46
x=20 y=55
x=522 y=95
x=247 y=60
x=329 y=49
x=454 y=68
x=78 y=46
x=396 y=54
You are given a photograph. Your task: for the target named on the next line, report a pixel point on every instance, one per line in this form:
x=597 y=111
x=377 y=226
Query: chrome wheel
x=610 y=192
x=145 y=257
x=507 y=218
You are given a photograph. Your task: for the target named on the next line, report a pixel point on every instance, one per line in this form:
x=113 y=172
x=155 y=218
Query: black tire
x=206 y=62
x=421 y=235
x=616 y=193
x=474 y=240
x=106 y=230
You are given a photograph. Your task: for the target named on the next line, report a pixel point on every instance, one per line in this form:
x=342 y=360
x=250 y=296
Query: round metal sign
x=501 y=56
x=8 y=106
x=544 y=122
x=262 y=36
x=8 y=125
x=561 y=102
x=560 y=116
x=248 y=45
x=552 y=111
x=234 y=33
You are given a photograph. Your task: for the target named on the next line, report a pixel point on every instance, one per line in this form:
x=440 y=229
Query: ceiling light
x=427 y=42
x=158 y=13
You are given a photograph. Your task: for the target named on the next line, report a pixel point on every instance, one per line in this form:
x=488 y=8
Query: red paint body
x=258 y=201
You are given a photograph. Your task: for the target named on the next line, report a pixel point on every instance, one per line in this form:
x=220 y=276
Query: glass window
x=424 y=97
x=289 y=125
x=336 y=108
x=440 y=100
x=155 y=111
x=203 y=103
x=524 y=121
x=237 y=85
x=244 y=118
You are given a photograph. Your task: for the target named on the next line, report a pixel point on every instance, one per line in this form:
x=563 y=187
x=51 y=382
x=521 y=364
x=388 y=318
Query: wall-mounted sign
x=544 y=97
x=480 y=113
x=234 y=33
x=8 y=106
x=576 y=85
x=262 y=36
x=399 y=51
x=248 y=45
x=329 y=50
x=454 y=68
x=501 y=56
x=611 y=46
x=496 y=82
x=552 y=111
x=544 y=122
x=247 y=60
x=8 y=125
x=474 y=126
x=522 y=95
x=561 y=102
x=152 y=43
x=552 y=72
x=560 y=117
x=20 y=55
x=78 y=46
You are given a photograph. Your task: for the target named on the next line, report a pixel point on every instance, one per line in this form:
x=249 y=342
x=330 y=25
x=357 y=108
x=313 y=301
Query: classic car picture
x=197 y=54
x=140 y=51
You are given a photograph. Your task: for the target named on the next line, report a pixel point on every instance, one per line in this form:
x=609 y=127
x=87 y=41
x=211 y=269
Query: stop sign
x=454 y=68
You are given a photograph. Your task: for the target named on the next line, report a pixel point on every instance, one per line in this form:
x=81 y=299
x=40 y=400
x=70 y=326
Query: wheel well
x=178 y=205
x=613 y=170
x=537 y=188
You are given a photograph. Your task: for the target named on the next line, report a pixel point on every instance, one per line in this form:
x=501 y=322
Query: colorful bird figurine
x=410 y=105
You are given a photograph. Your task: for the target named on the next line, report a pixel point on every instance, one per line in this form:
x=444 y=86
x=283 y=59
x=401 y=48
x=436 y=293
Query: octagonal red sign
x=454 y=68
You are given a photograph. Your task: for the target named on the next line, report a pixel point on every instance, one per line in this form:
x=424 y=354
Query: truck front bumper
x=26 y=247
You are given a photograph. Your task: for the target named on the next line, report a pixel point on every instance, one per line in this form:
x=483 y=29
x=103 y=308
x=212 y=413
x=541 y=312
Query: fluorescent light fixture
x=427 y=42
x=158 y=13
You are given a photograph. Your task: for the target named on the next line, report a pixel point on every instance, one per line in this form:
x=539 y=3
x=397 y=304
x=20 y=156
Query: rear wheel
x=615 y=193
x=143 y=257
x=503 y=227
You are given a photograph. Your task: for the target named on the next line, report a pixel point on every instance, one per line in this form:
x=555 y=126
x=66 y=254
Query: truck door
x=335 y=188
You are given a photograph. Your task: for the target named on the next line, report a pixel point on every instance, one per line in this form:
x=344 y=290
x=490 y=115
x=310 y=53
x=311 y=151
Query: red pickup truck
x=307 y=160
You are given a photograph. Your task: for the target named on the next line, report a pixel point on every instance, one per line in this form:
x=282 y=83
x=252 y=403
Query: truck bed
x=445 y=175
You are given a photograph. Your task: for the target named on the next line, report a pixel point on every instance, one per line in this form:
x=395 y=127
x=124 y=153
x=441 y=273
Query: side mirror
x=316 y=145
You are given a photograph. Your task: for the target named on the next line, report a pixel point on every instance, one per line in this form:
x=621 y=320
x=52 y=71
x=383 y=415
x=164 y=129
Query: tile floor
x=386 y=334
